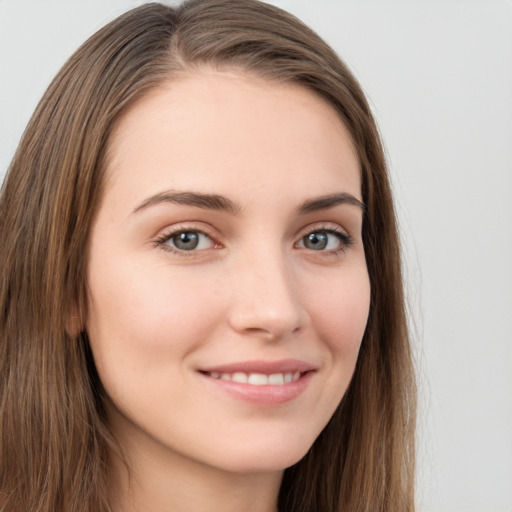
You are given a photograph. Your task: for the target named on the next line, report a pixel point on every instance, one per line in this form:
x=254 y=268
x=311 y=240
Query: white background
x=439 y=76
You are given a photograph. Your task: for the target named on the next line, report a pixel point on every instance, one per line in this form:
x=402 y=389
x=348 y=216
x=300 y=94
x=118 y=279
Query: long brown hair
x=54 y=438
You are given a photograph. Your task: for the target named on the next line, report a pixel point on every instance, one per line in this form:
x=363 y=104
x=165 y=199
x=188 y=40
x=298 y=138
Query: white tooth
x=225 y=376
x=296 y=376
x=288 y=377
x=240 y=377
x=257 y=379
x=214 y=375
x=276 y=379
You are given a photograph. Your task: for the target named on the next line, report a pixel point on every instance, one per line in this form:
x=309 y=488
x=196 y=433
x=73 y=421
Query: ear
x=74 y=324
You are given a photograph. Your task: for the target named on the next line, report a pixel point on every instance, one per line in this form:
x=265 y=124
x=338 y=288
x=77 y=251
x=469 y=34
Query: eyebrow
x=205 y=201
x=329 y=201
x=221 y=203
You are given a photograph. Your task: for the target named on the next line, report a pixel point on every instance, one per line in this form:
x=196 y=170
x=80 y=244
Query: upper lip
x=264 y=367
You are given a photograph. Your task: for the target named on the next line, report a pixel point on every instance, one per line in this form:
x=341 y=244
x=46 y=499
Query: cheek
x=149 y=298
x=339 y=312
x=143 y=319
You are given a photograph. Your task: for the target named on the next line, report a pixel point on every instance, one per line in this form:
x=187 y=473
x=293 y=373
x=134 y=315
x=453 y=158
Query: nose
x=266 y=302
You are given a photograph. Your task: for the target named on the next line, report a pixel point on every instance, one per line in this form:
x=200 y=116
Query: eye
x=324 y=240
x=187 y=240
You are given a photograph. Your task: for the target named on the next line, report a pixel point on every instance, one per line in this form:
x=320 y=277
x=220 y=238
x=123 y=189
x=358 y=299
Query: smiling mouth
x=257 y=379
x=262 y=383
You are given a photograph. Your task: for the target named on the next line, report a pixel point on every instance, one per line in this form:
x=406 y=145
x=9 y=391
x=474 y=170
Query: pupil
x=316 y=241
x=186 y=241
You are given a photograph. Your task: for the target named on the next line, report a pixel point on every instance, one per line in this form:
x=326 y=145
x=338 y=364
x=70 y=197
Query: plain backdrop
x=439 y=77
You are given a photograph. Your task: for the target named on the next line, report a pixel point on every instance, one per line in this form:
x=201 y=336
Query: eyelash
x=344 y=238
x=162 y=241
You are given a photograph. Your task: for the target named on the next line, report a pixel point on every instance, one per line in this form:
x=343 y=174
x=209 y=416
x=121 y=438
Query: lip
x=260 y=366
x=265 y=395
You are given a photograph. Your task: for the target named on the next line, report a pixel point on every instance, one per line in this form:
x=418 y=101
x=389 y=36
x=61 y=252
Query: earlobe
x=74 y=324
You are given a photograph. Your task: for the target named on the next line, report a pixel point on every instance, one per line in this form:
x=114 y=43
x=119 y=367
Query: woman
x=201 y=289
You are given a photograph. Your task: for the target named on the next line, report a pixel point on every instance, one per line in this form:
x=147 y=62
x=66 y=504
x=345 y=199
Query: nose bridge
x=265 y=299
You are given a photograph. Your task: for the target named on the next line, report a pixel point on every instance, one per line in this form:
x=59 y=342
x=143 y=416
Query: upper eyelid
x=164 y=235
x=343 y=236
x=182 y=227
x=323 y=226
x=174 y=232
x=160 y=241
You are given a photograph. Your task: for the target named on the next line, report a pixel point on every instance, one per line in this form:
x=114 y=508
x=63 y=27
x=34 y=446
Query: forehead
x=226 y=129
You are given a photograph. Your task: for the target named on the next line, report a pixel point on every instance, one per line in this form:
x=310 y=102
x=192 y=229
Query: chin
x=264 y=459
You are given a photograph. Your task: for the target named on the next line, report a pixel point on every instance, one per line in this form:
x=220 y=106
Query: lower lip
x=266 y=395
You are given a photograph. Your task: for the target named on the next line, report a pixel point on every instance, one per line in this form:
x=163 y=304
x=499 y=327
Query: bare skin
x=228 y=289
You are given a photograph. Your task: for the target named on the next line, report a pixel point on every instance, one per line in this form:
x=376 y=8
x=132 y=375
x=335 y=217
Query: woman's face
x=228 y=285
